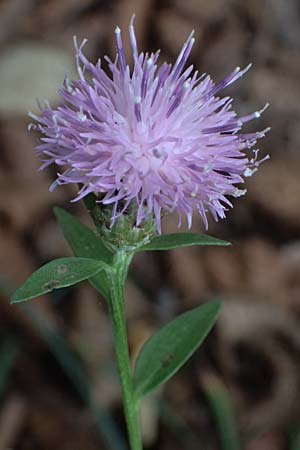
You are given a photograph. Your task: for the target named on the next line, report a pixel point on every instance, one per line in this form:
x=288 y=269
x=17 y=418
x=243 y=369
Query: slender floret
x=157 y=137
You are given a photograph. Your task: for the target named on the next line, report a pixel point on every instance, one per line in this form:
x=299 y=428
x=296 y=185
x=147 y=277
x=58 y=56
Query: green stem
x=117 y=312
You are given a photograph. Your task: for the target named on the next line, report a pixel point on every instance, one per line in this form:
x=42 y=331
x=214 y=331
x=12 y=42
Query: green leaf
x=84 y=242
x=57 y=274
x=167 y=350
x=175 y=240
x=87 y=244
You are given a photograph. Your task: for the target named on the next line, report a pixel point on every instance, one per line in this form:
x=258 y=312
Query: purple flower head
x=158 y=137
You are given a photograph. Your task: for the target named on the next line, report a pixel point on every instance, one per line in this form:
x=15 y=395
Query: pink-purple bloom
x=158 y=136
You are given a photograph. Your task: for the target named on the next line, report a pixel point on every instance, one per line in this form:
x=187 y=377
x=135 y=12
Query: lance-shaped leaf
x=86 y=243
x=57 y=274
x=175 y=240
x=83 y=241
x=168 y=349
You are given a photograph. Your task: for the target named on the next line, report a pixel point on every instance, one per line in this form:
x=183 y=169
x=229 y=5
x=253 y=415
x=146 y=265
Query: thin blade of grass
x=8 y=352
x=219 y=401
x=73 y=370
x=294 y=438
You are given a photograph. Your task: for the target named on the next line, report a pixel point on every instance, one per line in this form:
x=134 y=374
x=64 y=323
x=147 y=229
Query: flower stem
x=117 y=312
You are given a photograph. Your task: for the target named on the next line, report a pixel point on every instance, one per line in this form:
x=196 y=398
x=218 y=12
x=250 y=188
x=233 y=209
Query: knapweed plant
x=141 y=142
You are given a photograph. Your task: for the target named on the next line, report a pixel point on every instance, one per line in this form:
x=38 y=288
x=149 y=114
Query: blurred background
x=58 y=383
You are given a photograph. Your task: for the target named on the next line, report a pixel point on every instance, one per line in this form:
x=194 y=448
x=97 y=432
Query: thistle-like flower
x=156 y=137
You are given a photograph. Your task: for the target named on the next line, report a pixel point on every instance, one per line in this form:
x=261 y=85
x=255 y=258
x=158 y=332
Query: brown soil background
x=252 y=356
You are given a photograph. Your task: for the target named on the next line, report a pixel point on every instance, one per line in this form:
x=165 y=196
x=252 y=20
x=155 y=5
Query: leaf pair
x=92 y=261
x=86 y=243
